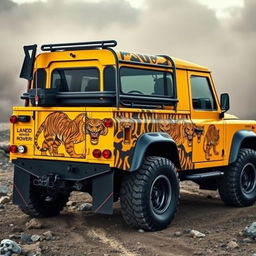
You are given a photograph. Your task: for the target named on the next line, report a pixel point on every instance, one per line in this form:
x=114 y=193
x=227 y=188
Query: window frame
x=34 y=83
x=147 y=101
x=163 y=71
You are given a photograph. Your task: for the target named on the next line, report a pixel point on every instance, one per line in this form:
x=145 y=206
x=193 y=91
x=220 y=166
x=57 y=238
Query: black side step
x=201 y=176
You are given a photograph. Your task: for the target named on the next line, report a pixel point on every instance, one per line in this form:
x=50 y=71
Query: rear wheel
x=238 y=186
x=150 y=196
x=44 y=202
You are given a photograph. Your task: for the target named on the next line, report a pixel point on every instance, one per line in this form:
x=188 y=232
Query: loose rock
x=187 y=231
x=25 y=238
x=232 y=245
x=250 y=230
x=33 y=223
x=5 y=199
x=178 y=234
x=14 y=236
x=85 y=207
x=48 y=235
x=141 y=230
x=36 y=238
x=32 y=249
x=196 y=234
x=247 y=240
x=3 y=190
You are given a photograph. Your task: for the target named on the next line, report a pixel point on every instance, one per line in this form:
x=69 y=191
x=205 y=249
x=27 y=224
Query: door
x=208 y=136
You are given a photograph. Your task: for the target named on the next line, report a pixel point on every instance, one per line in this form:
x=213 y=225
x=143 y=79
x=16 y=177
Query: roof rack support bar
x=174 y=74
x=79 y=45
x=117 y=80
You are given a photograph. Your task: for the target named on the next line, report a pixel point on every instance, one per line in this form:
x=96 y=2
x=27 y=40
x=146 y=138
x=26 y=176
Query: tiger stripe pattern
x=178 y=126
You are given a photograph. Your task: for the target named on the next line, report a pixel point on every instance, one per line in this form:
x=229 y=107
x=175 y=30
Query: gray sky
x=219 y=36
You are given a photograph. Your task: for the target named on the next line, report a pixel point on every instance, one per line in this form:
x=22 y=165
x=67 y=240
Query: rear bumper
x=100 y=176
x=72 y=171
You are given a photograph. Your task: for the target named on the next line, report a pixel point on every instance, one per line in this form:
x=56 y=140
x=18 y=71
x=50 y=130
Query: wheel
x=238 y=186
x=44 y=202
x=149 y=197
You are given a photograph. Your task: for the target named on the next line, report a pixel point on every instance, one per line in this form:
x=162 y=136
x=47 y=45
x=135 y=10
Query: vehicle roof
x=106 y=56
x=158 y=60
x=188 y=65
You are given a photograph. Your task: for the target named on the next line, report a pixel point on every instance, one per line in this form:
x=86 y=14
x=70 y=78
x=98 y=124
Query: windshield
x=76 y=80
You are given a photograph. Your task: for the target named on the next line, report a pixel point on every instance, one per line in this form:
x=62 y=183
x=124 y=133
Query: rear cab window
x=76 y=80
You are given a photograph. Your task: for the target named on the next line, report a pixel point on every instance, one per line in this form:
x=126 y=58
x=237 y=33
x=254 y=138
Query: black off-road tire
x=238 y=186
x=150 y=196
x=40 y=207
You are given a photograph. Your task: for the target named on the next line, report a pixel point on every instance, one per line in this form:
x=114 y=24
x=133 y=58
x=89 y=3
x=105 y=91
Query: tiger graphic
x=59 y=129
x=174 y=129
x=211 y=140
x=189 y=132
x=165 y=126
x=199 y=132
x=95 y=128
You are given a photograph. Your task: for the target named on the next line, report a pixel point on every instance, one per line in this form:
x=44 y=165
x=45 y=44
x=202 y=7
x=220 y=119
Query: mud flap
x=21 y=186
x=102 y=193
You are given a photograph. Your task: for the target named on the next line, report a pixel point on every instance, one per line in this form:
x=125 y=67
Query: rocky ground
x=203 y=226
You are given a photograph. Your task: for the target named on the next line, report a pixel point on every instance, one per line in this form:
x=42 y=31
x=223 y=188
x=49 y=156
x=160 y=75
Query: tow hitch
x=49 y=181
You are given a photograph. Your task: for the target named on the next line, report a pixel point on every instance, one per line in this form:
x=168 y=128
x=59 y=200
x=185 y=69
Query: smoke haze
x=183 y=29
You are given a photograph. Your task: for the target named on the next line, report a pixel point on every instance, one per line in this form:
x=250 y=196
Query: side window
x=109 y=78
x=76 y=80
x=202 y=96
x=146 y=82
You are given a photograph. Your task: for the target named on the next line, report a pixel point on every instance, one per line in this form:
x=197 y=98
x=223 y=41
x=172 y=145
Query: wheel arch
x=154 y=144
x=242 y=139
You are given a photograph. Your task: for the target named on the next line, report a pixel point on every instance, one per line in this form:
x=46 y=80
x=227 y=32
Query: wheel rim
x=248 y=178
x=160 y=194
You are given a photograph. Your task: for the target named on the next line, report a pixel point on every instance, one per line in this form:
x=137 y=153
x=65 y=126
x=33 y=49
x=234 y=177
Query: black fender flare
x=237 y=141
x=144 y=142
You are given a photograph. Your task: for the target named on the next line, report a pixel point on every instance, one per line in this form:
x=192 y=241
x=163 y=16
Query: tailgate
x=63 y=133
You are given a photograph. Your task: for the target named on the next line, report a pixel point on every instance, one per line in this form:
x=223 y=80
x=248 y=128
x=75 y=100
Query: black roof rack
x=79 y=46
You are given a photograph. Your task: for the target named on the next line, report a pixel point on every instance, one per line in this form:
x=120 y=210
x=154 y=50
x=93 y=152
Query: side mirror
x=224 y=102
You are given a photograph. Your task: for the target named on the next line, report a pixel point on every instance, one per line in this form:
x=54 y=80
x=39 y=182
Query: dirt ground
x=86 y=233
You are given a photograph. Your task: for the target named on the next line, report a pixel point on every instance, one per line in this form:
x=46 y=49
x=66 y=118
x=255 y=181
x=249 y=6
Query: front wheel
x=238 y=186
x=150 y=196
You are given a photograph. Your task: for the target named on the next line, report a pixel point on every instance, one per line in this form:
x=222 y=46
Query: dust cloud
x=184 y=29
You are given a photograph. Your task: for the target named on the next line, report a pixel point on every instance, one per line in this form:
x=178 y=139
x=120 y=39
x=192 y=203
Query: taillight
x=108 y=122
x=13 y=119
x=96 y=153
x=13 y=149
x=22 y=149
x=106 y=153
